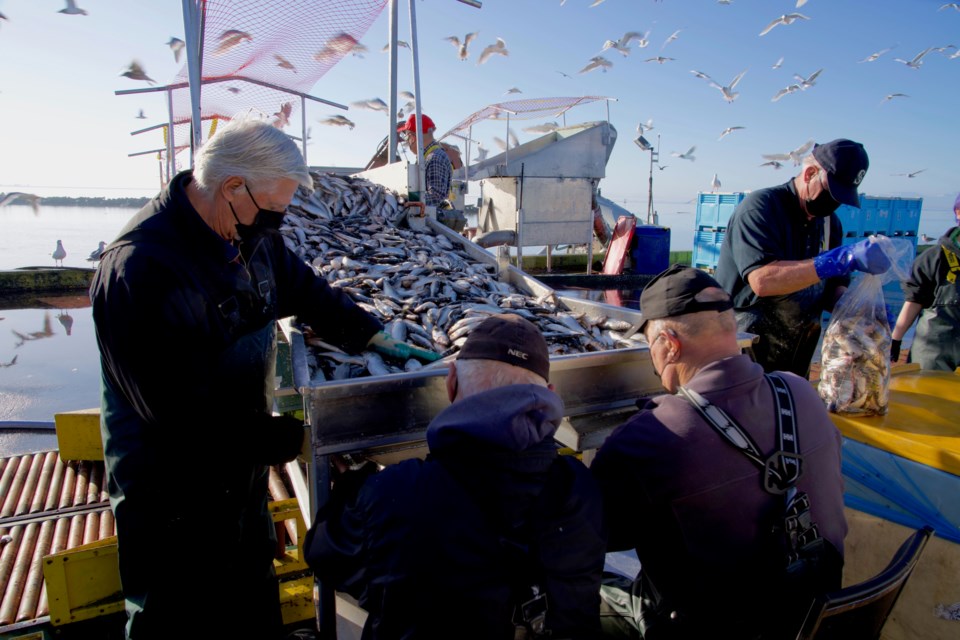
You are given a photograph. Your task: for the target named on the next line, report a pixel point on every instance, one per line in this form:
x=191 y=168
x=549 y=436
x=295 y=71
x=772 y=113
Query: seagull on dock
x=96 y=253
x=715 y=183
x=176 y=45
x=788 y=18
x=925 y=238
x=13 y=196
x=686 y=156
x=59 y=254
x=72 y=9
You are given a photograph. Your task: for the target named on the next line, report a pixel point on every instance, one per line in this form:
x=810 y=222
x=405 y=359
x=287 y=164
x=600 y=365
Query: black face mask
x=823 y=205
x=266 y=219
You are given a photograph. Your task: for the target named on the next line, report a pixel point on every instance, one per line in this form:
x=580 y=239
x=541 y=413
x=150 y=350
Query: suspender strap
x=954 y=264
x=782 y=468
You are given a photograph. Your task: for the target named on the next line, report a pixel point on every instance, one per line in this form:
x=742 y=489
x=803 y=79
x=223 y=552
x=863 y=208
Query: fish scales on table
x=426 y=290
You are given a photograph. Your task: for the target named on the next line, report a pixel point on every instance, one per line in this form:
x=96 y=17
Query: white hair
x=252 y=149
x=477 y=375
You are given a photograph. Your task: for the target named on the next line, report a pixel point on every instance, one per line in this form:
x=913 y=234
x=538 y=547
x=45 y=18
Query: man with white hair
x=185 y=304
x=494 y=535
x=726 y=546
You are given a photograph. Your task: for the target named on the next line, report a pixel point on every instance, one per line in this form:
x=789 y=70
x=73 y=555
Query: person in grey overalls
x=933 y=293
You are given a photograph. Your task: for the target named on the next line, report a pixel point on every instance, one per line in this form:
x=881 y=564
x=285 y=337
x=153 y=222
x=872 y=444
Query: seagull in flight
x=400 y=43
x=13 y=196
x=796 y=155
x=512 y=90
x=917 y=59
x=686 y=156
x=950 y=5
x=338 y=121
x=141 y=115
x=778 y=63
x=623 y=44
x=647 y=126
x=772 y=163
x=498 y=48
x=72 y=9
x=727 y=131
x=728 y=93
x=806 y=83
x=909 y=175
x=283 y=63
x=659 y=59
x=891 y=96
x=788 y=18
x=176 y=45
x=597 y=62
x=873 y=56
x=673 y=36
x=462 y=46
x=135 y=72
x=789 y=89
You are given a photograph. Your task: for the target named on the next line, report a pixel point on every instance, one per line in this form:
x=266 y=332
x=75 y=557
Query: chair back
x=858 y=612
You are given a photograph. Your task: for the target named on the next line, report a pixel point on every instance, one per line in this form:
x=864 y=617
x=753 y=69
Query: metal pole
x=506 y=136
x=418 y=121
x=171 y=160
x=650 y=196
x=303 y=126
x=392 y=153
x=193 y=36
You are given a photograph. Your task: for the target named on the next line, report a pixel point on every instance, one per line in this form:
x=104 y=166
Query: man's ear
x=231 y=186
x=451 y=381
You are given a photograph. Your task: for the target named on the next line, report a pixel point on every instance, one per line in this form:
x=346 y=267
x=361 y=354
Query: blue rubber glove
x=866 y=256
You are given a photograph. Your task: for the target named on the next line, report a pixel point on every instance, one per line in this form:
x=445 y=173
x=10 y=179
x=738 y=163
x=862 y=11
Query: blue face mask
x=266 y=219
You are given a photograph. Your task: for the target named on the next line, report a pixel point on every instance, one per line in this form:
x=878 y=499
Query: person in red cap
x=495 y=534
x=783 y=260
x=438 y=170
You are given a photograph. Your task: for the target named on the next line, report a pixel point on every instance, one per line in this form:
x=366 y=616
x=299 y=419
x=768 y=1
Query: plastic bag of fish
x=425 y=289
x=855 y=355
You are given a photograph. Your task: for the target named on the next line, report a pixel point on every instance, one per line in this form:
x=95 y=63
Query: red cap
x=425 y=122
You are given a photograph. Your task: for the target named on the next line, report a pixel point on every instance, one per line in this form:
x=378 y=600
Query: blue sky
x=64 y=132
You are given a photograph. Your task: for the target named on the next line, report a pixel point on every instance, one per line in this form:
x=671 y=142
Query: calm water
x=48 y=350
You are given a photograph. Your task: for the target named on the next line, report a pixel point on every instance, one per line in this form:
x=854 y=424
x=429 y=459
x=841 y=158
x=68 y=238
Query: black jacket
x=442 y=547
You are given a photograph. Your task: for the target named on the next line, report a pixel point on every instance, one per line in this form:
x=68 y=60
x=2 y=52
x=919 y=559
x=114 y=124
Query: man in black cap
x=694 y=506
x=782 y=260
x=494 y=534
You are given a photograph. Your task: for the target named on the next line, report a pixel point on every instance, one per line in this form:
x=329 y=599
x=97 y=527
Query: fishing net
x=259 y=56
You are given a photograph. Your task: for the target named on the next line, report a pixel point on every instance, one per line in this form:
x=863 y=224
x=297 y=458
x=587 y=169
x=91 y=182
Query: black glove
x=275 y=439
x=895 y=350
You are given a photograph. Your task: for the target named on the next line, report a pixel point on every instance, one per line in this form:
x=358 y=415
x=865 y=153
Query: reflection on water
x=48 y=367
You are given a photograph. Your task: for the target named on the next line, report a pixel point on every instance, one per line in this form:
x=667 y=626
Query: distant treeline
x=124 y=203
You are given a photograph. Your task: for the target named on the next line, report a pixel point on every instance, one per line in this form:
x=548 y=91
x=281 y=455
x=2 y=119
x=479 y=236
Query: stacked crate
x=713 y=215
x=891 y=217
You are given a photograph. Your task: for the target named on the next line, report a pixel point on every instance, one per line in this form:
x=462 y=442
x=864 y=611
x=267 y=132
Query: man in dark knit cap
x=494 y=534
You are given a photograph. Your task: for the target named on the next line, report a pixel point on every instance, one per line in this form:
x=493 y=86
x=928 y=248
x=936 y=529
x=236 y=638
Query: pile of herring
x=425 y=289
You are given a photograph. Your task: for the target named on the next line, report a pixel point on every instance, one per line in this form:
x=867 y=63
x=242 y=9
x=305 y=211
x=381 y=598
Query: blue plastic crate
x=650 y=250
x=715 y=209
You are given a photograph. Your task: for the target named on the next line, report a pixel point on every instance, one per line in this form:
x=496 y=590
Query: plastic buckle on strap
x=533 y=613
x=776 y=478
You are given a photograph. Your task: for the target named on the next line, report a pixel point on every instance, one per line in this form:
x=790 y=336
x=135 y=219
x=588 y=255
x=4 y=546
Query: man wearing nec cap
x=771 y=262
x=693 y=505
x=494 y=518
